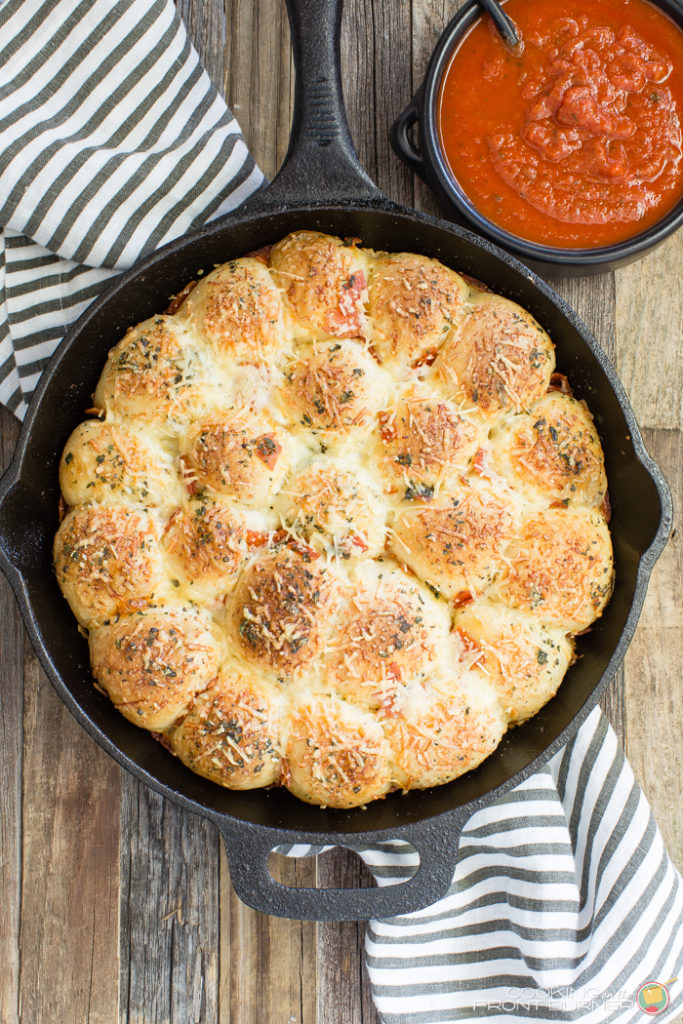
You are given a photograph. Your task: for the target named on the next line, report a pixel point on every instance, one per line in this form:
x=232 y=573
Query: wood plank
x=170 y=911
x=649 y=330
x=205 y=24
x=268 y=964
x=70 y=865
x=11 y=710
x=376 y=86
x=650 y=365
x=343 y=986
x=429 y=18
x=259 y=78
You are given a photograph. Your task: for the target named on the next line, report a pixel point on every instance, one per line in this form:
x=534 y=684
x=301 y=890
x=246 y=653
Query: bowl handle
x=436 y=843
x=402 y=144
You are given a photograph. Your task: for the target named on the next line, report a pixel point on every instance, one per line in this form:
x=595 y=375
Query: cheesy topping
x=337 y=523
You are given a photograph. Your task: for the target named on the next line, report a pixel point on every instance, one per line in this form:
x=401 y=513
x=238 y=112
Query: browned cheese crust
x=333 y=509
x=241 y=456
x=389 y=635
x=423 y=442
x=414 y=303
x=555 y=448
x=560 y=567
x=331 y=386
x=231 y=733
x=207 y=543
x=239 y=310
x=337 y=755
x=107 y=560
x=455 y=543
x=281 y=609
x=499 y=360
x=337 y=523
x=152 y=664
x=324 y=282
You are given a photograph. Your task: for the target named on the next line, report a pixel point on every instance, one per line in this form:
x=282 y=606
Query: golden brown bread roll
x=152 y=664
x=105 y=462
x=332 y=386
x=554 y=449
x=325 y=283
x=523 y=659
x=336 y=507
x=231 y=733
x=499 y=360
x=413 y=305
x=282 y=607
x=456 y=541
x=422 y=443
x=560 y=567
x=389 y=634
x=238 y=310
x=108 y=560
x=240 y=455
x=336 y=528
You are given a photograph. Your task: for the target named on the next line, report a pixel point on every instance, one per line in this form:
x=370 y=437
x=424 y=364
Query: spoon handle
x=503 y=23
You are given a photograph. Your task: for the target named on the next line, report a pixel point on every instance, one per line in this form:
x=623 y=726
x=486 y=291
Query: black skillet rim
x=646 y=561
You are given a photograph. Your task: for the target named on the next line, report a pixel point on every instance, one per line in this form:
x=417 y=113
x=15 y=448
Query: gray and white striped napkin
x=113 y=141
x=564 y=905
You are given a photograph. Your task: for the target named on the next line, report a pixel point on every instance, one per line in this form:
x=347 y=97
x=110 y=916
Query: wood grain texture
x=205 y=24
x=259 y=78
x=11 y=750
x=343 y=986
x=649 y=331
x=170 y=905
x=70 y=865
x=268 y=964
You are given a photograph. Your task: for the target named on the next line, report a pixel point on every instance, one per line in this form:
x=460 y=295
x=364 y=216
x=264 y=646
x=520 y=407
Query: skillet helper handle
x=436 y=843
x=321 y=166
x=401 y=142
x=12 y=511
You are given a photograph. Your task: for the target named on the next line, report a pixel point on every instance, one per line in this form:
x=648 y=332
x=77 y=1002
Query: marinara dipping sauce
x=576 y=141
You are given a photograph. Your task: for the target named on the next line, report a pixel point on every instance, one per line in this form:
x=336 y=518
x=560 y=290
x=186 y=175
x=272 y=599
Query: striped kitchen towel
x=113 y=141
x=564 y=905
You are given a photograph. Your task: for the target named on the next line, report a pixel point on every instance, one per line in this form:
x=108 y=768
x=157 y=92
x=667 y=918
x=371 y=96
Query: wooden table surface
x=114 y=904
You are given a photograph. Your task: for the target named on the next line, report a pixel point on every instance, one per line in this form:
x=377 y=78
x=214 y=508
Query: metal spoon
x=504 y=23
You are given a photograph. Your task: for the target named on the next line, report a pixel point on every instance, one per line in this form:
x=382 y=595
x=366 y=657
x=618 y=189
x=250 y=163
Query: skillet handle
x=436 y=843
x=321 y=167
x=11 y=503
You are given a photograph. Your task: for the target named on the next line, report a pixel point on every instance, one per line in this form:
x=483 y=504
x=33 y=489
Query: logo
x=653 y=996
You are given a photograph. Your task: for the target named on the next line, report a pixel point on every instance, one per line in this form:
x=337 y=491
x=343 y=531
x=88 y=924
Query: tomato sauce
x=574 y=142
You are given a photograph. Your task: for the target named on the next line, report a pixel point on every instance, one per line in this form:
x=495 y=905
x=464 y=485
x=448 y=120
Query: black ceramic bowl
x=428 y=160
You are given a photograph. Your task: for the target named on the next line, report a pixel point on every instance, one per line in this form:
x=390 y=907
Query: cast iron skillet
x=322 y=186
